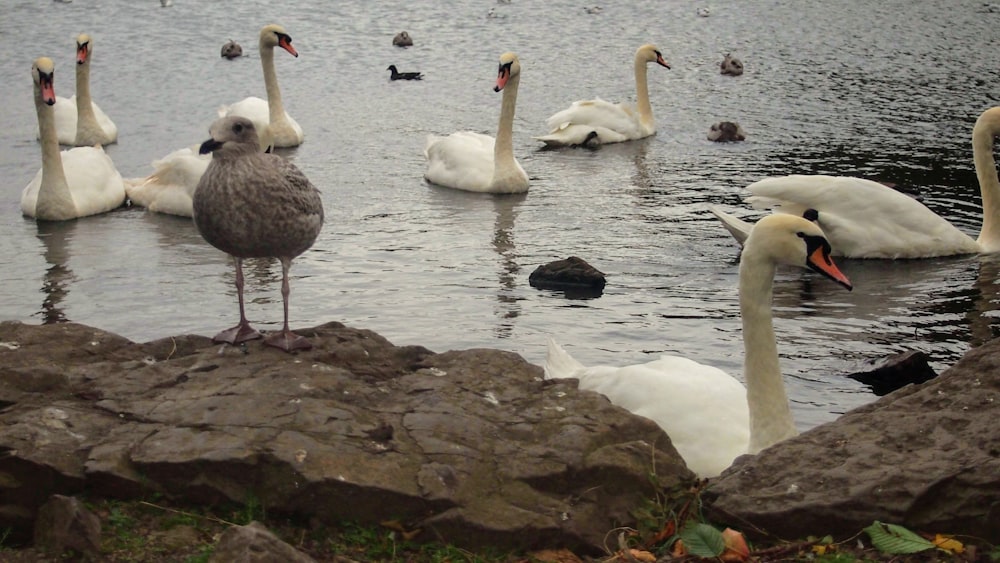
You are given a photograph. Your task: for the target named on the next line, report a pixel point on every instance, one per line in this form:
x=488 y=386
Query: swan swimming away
x=273 y=124
x=710 y=417
x=866 y=219
x=613 y=123
x=79 y=121
x=74 y=183
x=475 y=162
x=252 y=204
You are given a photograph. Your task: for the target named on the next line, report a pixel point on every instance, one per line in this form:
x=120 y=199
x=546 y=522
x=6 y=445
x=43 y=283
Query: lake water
x=888 y=90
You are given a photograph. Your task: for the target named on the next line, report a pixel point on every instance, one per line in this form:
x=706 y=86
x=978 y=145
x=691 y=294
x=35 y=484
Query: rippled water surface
x=887 y=90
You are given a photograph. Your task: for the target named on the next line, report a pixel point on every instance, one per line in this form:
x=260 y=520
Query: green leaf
x=702 y=540
x=893 y=539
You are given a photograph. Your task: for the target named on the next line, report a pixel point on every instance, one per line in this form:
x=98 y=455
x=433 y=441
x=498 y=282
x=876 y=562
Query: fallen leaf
x=948 y=544
x=679 y=549
x=642 y=556
x=736 y=546
x=555 y=556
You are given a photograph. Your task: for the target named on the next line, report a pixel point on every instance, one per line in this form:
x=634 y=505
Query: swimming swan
x=273 y=124
x=79 y=121
x=866 y=219
x=474 y=162
x=75 y=183
x=710 y=417
x=613 y=123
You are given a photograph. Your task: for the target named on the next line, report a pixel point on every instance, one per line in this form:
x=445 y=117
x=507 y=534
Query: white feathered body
x=703 y=409
x=94 y=184
x=862 y=218
x=613 y=123
x=464 y=160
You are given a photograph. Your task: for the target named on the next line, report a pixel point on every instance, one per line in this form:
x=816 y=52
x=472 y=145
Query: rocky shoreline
x=471 y=445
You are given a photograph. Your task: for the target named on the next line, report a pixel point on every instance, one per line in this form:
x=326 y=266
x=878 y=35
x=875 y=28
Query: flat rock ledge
x=472 y=447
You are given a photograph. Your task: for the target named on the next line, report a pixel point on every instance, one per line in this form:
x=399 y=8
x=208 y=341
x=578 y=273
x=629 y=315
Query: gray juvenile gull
x=251 y=204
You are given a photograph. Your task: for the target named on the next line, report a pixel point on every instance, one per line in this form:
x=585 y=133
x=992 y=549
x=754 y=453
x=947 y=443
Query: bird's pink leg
x=243 y=331
x=286 y=339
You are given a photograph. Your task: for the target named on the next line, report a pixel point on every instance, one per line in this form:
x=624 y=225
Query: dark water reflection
x=58 y=277
x=887 y=91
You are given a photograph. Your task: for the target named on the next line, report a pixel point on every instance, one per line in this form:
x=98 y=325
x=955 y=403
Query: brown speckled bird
x=251 y=204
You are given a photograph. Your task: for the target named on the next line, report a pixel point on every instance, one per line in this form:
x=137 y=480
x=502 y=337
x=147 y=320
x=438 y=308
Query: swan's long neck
x=770 y=415
x=989 y=186
x=55 y=202
x=276 y=109
x=84 y=103
x=503 y=148
x=642 y=93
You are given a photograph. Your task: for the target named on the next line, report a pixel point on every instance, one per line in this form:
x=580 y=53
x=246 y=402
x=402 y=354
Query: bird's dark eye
x=238 y=128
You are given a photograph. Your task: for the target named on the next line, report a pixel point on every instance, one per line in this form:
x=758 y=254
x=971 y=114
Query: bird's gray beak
x=209 y=146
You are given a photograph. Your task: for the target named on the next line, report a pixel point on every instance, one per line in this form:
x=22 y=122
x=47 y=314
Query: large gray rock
x=926 y=456
x=472 y=446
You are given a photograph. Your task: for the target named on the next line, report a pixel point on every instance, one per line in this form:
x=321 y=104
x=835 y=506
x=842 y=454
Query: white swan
x=274 y=125
x=866 y=219
x=170 y=188
x=79 y=121
x=710 y=417
x=75 y=183
x=471 y=161
x=613 y=123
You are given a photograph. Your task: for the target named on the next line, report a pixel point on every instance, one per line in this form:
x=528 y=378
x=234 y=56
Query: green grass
x=138 y=531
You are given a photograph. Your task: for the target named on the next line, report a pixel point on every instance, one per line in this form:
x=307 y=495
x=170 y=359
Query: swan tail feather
x=737 y=227
x=559 y=364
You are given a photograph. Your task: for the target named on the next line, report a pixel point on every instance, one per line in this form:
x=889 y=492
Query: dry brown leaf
x=555 y=556
x=642 y=556
x=736 y=547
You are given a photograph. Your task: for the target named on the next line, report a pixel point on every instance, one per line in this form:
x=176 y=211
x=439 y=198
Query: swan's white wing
x=105 y=123
x=462 y=160
x=862 y=218
x=29 y=196
x=604 y=117
x=170 y=188
x=64 y=116
x=93 y=180
x=571 y=134
x=737 y=227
